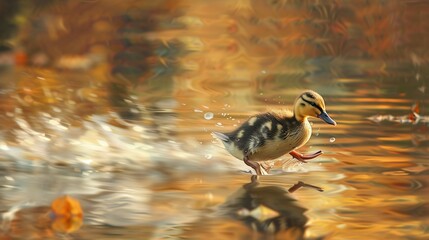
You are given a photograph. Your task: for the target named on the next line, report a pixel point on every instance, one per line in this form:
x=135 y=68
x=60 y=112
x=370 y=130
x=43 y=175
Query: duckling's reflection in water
x=269 y=210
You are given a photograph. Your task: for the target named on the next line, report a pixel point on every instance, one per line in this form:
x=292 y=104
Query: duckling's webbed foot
x=301 y=157
x=253 y=165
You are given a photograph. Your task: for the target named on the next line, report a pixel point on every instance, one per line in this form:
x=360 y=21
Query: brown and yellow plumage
x=270 y=135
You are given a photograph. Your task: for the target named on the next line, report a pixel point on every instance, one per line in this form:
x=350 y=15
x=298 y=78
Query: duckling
x=270 y=135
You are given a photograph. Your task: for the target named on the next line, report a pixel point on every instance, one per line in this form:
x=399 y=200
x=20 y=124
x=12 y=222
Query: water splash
x=208 y=115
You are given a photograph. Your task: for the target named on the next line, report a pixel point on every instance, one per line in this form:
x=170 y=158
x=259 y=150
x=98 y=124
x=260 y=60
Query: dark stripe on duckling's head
x=309 y=95
x=312 y=103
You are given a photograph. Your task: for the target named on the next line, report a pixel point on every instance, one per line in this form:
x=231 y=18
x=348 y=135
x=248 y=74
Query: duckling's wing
x=221 y=136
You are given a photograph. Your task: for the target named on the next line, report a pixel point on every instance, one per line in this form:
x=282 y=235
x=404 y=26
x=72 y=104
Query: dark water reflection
x=115 y=107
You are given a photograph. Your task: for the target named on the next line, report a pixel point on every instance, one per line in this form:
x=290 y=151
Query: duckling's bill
x=220 y=136
x=325 y=117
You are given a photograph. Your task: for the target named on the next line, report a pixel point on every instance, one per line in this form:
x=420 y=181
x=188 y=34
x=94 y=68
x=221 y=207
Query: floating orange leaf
x=67 y=214
x=66 y=206
x=67 y=225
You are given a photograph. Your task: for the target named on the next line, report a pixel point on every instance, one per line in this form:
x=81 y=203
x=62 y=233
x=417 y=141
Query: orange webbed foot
x=302 y=157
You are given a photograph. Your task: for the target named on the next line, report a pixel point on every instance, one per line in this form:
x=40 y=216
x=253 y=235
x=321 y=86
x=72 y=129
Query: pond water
x=113 y=104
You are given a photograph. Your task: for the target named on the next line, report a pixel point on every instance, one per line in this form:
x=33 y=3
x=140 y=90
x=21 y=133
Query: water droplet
x=197 y=110
x=219 y=124
x=332 y=139
x=208 y=115
x=208 y=156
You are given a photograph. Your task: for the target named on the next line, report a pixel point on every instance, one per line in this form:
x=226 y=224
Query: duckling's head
x=311 y=104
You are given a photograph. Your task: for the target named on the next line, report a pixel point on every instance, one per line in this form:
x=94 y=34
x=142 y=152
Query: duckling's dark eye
x=303 y=104
x=313 y=104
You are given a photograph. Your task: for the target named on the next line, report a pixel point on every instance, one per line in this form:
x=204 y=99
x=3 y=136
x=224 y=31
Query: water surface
x=113 y=104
